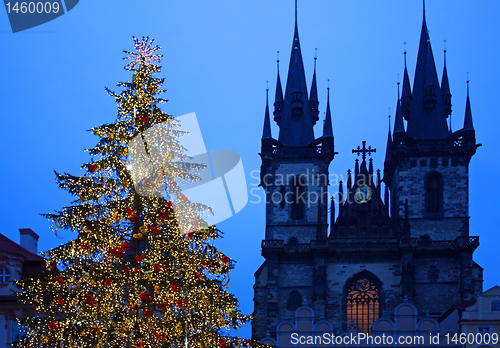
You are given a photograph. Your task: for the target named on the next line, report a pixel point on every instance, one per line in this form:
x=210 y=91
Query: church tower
x=427 y=172
x=294 y=174
x=406 y=246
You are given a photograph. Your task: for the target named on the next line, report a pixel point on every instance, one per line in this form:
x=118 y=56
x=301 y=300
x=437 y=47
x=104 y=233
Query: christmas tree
x=142 y=271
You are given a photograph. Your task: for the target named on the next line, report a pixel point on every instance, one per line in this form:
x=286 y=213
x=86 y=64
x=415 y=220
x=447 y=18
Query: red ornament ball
x=125 y=246
x=52 y=325
x=144 y=296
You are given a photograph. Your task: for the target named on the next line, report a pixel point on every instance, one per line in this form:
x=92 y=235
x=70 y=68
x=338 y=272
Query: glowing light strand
x=143 y=55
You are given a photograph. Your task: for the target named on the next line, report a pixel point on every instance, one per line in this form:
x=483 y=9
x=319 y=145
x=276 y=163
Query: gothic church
x=407 y=242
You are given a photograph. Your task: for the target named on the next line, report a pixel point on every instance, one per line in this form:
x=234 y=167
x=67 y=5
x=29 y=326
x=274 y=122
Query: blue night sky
x=218 y=56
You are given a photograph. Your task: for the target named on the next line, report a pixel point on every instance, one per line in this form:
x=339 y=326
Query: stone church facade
x=400 y=236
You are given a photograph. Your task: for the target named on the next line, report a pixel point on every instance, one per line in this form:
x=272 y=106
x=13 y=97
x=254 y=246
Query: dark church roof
x=426 y=107
x=296 y=112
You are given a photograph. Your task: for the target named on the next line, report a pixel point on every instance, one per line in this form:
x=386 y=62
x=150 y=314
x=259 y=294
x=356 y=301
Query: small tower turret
x=278 y=99
x=406 y=97
x=313 y=99
x=468 y=125
x=445 y=88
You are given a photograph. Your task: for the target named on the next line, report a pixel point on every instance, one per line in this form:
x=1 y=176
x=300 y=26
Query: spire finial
x=404 y=52
x=467 y=84
x=328 y=81
x=295 y=13
x=389 y=120
x=267 y=86
x=444 y=51
x=278 y=60
x=315 y=58
x=424 y=8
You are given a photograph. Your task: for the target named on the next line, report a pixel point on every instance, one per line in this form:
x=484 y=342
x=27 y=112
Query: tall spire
x=296 y=124
x=314 y=94
x=327 y=126
x=388 y=149
x=278 y=99
x=406 y=97
x=445 y=87
x=427 y=115
x=468 y=125
x=266 y=134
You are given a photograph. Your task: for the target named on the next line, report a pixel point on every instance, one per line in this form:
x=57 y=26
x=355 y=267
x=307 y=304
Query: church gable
x=362 y=214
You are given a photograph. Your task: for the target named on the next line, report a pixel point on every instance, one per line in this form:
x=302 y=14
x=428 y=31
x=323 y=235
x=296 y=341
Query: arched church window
x=293 y=241
x=294 y=300
x=434 y=193
x=297 y=186
x=363 y=304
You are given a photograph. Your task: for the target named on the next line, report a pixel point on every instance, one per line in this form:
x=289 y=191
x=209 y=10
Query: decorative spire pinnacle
x=388 y=149
x=398 y=120
x=341 y=194
x=468 y=125
x=266 y=134
x=278 y=99
x=327 y=126
x=445 y=88
x=406 y=96
x=424 y=8
x=379 y=181
x=314 y=94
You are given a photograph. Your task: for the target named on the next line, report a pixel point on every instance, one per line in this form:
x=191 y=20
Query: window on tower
x=297 y=187
x=363 y=304
x=434 y=192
